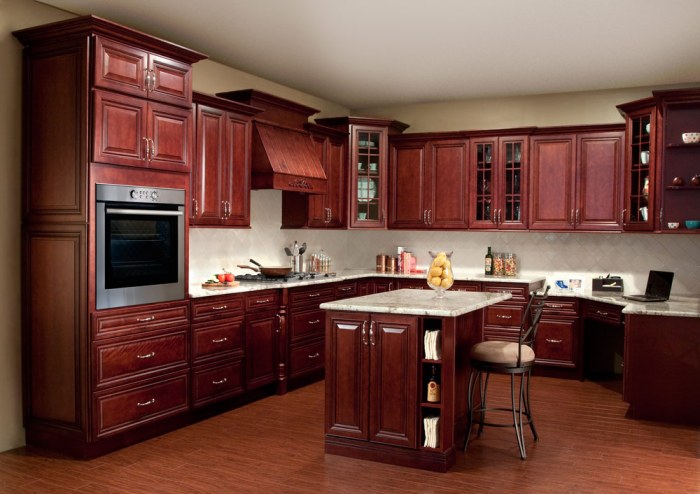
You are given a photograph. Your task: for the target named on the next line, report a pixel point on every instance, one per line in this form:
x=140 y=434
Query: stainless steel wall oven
x=140 y=244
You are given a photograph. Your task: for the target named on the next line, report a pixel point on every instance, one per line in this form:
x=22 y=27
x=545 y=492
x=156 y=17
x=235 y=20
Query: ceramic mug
x=644 y=157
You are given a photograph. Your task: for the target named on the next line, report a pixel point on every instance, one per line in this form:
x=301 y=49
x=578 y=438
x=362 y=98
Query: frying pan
x=271 y=272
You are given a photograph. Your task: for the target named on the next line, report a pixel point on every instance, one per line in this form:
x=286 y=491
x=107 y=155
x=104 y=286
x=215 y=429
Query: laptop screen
x=659 y=284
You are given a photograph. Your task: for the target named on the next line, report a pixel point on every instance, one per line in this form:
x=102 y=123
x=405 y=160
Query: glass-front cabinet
x=499 y=173
x=639 y=207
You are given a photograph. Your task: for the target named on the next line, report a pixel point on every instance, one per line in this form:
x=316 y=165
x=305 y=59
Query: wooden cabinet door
x=446 y=184
x=316 y=203
x=407 y=174
x=170 y=131
x=208 y=174
x=261 y=348
x=599 y=175
x=120 y=133
x=511 y=183
x=120 y=67
x=347 y=375
x=393 y=379
x=552 y=182
x=368 y=177
x=557 y=342
x=236 y=183
x=482 y=183
x=171 y=81
x=328 y=210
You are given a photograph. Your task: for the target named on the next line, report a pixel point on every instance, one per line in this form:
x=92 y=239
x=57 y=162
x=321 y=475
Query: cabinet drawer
x=502 y=334
x=467 y=286
x=344 y=290
x=118 y=361
x=608 y=313
x=217 y=338
x=267 y=299
x=314 y=296
x=518 y=291
x=563 y=307
x=306 y=357
x=216 y=308
x=138 y=405
x=217 y=383
x=125 y=321
x=555 y=342
x=497 y=315
x=307 y=323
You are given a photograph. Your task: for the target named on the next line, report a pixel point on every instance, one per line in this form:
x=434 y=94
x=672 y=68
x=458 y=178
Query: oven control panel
x=130 y=193
x=144 y=195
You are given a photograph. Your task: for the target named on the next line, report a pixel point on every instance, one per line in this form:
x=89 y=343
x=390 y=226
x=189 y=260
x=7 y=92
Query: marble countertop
x=418 y=302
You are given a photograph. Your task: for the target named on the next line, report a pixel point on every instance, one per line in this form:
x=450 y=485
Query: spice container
x=498 y=264
x=381 y=263
x=390 y=264
x=510 y=265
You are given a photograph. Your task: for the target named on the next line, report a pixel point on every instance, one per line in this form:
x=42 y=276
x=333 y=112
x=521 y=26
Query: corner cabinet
x=367 y=170
x=428 y=182
x=220 y=177
x=498 y=182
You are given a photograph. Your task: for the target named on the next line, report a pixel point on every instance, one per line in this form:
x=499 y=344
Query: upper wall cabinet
x=220 y=177
x=575 y=179
x=428 y=180
x=498 y=188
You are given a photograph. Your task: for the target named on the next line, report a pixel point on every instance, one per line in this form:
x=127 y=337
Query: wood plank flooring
x=276 y=446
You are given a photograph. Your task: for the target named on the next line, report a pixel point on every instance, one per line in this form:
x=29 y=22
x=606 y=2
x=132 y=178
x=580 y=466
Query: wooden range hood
x=283 y=154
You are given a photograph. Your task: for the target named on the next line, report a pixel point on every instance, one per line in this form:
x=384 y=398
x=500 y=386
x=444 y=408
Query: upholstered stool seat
x=514 y=358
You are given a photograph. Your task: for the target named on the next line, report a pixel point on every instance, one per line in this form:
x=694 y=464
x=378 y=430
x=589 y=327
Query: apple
x=229 y=277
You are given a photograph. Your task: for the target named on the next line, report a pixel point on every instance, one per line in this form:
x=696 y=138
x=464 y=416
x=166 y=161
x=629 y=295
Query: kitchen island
x=377 y=368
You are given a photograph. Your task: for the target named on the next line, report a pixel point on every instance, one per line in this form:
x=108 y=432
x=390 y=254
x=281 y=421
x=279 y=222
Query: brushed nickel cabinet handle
x=500 y=316
x=344 y=289
x=315 y=355
x=262 y=301
x=364 y=332
x=317 y=321
x=145 y=141
x=146 y=403
x=549 y=340
x=146 y=78
x=196 y=206
x=554 y=306
x=219 y=340
x=219 y=307
x=222 y=381
x=601 y=313
x=145 y=319
x=146 y=355
x=578 y=220
x=371 y=334
x=622 y=216
x=313 y=295
x=153 y=148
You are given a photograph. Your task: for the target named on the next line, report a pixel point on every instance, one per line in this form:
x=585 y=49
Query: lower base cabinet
x=557 y=341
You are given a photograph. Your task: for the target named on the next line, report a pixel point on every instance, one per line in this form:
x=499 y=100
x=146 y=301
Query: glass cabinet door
x=511 y=212
x=368 y=178
x=639 y=187
x=484 y=184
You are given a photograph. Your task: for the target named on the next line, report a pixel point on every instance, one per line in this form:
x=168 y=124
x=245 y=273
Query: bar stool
x=510 y=358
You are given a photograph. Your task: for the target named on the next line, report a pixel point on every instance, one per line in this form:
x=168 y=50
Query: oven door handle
x=144 y=212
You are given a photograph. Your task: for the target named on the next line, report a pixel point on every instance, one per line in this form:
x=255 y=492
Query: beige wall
x=211 y=77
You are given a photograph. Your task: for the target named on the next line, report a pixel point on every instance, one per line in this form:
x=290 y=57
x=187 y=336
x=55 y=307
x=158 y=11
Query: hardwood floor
x=276 y=445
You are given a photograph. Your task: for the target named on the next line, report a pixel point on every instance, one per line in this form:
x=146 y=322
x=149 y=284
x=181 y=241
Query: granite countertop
x=418 y=302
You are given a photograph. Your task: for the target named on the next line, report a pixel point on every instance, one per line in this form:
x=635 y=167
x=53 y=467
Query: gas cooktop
x=291 y=277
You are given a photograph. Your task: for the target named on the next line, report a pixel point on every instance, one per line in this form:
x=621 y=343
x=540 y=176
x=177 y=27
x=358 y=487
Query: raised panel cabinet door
x=208 y=173
x=237 y=165
x=261 y=348
x=599 y=181
x=120 y=135
x=447 y=183
x=393 y=380
x=171 y=81
x=407 y=174
x=347 y=375
x=556 y=342
x=120 y=67
x=552 y=182
x=317 y=212
x=171 y=137
x=336 y=169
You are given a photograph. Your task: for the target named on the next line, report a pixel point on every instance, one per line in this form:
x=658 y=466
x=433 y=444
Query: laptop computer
x=658 y=288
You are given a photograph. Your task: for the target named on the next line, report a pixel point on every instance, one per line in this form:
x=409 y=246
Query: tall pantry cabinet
x=102 y=104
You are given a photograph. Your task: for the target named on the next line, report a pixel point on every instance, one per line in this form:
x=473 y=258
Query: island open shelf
x=377 y=369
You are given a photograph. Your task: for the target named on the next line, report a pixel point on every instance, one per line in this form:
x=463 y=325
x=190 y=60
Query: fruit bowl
x=691 y=137
x=692 y=224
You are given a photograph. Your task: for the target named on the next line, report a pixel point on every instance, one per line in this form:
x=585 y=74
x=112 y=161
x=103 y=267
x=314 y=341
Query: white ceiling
x=368 y=53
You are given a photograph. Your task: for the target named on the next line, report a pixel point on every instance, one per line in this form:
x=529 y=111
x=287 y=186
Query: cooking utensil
x=302 y=249
x=288 y=251
x=271 y=271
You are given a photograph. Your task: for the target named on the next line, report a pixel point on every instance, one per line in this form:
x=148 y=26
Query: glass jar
x=511 y=266
x=440 y=277
x=498 y=264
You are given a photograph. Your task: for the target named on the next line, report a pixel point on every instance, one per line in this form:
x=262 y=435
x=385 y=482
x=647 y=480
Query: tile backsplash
x=555 y=255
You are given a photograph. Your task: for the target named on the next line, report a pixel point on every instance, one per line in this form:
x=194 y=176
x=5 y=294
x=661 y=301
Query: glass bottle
x=488 y=262
x=433 y=390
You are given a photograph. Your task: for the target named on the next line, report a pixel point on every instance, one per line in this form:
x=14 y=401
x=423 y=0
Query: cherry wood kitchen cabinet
x=428 y=180
x=328 y=210
x=498 y=182
x=369 y=355
x=557 y=341
x=263 y=327
x=220 y=177
x=91 y=87
x=217 y=348
x=367 y=168
x=575 y=179
x=642 y=159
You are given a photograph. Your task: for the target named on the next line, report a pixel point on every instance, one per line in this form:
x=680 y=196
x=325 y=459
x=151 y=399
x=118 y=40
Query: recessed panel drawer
x=306 y=357
x=555 y=342
x=560 y=306
x=345 y=290
x=307 y=323
x=608 y=313
x=134 y=406
x=217 y=383
x=310 y=296
x=216 y=308
x=217 y=338
x=497 y=315
x=122 y=360
x=518 y=291
x=123 y=321
x=266 y=299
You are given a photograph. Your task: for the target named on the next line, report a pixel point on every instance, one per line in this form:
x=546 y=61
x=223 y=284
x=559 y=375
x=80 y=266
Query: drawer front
x=217 y=338
x=314 y=296
x=267 y=299
x=345 y=290
x=497 y=315
x=518 y=291
x=563 y=307
x=555 y=342
x=139 y=405
x=118 y=361
x=467 y=286
x=216 y=308
x=129 y=321
x=217 y=383
x=413 y=284
x=307 y=323
x=307 y=357
x=604 y=312
x=501 y=334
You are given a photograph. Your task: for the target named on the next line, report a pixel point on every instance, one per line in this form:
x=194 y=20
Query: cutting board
x=221 y=286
